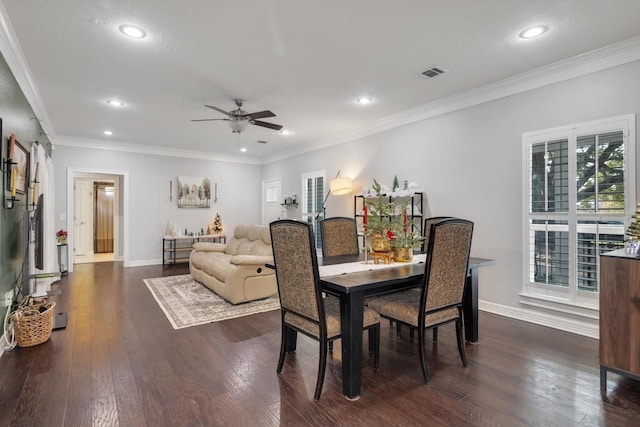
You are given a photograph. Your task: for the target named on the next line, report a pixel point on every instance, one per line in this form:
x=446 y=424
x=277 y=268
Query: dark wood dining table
x=352 y=288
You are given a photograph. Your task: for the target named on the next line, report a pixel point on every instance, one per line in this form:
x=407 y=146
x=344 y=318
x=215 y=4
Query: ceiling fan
x=239 y=119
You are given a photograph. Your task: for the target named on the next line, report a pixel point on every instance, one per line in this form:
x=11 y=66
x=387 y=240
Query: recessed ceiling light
x=115 y=103
x=108 y=132
x=286 y=132
x=133 y=31
x=532 y=32
x=243 y=149
x=364 y=100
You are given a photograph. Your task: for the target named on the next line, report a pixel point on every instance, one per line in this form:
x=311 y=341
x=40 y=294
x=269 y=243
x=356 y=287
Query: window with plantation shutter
x=579 y=192
x=312 y=198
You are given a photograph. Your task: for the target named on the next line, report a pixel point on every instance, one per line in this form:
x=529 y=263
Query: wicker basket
x=32 y=327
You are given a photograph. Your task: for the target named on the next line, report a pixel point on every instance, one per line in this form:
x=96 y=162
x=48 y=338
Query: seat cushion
x=332 y=313
x=405 y=306
x=214 y=264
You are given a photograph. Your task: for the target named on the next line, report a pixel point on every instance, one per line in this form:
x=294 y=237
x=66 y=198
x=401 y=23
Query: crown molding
x=96 y=144
x=18 y=65
x=596 y=60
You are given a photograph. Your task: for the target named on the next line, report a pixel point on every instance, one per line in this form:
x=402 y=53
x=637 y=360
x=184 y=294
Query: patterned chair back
x=297 y=268
x=427 y=228
x=339 y=236
x=448 y=250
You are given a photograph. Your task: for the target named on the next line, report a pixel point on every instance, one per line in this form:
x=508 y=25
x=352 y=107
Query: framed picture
x=20 y=156
x=194 y=192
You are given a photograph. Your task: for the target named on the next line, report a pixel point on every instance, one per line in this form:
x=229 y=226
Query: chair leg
x=283 y=347
x=322 y=365
x=411 y=333
x=331 y=346
x=435 y=334
x=398 y=326
x=374 y=336
x=423 y=358
x=463 y=354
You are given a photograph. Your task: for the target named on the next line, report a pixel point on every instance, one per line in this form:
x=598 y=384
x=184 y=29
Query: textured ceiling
x=305 y=60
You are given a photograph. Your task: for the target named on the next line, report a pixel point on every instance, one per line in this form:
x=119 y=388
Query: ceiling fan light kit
x=238 y=126
x=238 y=119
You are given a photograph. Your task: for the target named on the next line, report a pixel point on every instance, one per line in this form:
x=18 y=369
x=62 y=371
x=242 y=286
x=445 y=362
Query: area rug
x=186 y=302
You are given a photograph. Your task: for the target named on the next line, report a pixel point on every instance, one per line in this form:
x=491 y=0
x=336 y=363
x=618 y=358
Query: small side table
x=63 y=250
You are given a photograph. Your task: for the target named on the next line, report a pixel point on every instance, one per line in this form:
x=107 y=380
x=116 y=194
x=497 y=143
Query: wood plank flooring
x=119 y=362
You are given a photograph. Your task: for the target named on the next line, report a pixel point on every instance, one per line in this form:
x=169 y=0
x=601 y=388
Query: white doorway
x=87 y=215
x=271 y=208
x=80 y=215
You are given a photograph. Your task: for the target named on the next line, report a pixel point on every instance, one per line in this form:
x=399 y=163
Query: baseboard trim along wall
x=144 y=262
x=543 y=319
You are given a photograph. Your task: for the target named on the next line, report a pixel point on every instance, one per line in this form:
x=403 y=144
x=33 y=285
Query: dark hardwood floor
x=119 y=362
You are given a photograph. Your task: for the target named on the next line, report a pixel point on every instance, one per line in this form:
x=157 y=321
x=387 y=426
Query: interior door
x=271 y=208
x=82 y=211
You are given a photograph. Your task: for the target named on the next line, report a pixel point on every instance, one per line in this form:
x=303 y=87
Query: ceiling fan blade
x=217 y=109
x=266 y=125
x=205 y=120
x=261 y=114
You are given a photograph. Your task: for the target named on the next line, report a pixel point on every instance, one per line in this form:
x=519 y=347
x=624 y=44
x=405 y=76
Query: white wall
x=469 y=163
x=239 y=193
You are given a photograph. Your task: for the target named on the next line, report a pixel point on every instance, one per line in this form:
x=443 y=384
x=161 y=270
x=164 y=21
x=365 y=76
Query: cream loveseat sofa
x=236 y=270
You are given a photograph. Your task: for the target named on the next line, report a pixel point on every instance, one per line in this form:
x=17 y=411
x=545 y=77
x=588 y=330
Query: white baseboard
x=144 y=262
x=544 y=319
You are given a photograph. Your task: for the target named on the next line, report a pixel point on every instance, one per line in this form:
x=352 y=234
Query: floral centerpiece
x=387 y=225
x=406 y=236
x=378 y=214
x=62 y=236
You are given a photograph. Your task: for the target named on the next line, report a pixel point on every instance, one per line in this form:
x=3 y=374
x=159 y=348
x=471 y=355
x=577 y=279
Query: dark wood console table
x=619 y=315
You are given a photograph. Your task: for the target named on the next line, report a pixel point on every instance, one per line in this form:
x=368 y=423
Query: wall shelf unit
x=176 y=249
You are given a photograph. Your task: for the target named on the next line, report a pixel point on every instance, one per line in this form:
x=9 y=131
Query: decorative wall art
x=194 y=192
x=20 y=156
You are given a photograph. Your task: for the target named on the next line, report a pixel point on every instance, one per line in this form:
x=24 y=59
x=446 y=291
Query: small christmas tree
x=634 y=228
x=395 y=186
x=216 y=226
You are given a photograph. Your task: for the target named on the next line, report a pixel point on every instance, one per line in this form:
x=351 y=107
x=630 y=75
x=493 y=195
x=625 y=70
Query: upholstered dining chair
x=339 y=236
x=301 y=304
x=425 y=233
x=427 y=227
x=440 y=299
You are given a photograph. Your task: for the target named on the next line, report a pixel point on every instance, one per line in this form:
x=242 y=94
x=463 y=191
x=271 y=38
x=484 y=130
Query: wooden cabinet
x=619 y=315
x=176 y=249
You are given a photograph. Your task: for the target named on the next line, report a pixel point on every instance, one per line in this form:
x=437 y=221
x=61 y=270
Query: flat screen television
x=38 y=229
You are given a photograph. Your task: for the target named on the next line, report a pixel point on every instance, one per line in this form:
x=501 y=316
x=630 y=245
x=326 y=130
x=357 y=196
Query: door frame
x=123 y=230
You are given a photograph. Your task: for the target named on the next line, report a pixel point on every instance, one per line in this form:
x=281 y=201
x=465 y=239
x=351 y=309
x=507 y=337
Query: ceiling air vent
x=261 y=141
x=433 y=72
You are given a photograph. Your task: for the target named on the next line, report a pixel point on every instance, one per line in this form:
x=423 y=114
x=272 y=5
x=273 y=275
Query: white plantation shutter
x=313 y=196
x=579 y=189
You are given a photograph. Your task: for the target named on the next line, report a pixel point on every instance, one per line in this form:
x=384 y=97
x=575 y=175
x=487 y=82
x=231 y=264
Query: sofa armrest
x=259 y=260
x=209 y=247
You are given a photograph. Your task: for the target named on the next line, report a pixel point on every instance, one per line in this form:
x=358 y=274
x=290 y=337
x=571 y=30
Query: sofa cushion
x=216 y=266
x=249 y=240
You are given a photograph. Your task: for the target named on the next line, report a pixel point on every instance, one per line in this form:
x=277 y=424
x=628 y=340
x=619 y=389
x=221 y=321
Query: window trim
x=555 y=297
